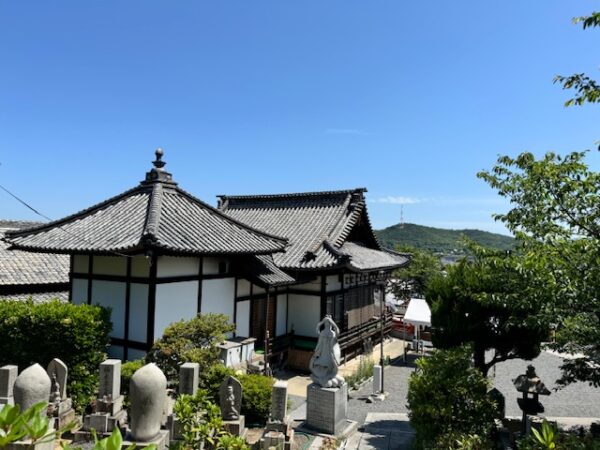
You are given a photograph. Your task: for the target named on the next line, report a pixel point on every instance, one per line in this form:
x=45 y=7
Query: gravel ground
x=577 y=400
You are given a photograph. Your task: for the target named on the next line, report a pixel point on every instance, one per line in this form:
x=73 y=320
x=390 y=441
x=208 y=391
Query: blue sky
x=409 y=99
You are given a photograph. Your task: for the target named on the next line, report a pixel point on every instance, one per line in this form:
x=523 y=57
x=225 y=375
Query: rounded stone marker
x=32 y=386
x=147 y=393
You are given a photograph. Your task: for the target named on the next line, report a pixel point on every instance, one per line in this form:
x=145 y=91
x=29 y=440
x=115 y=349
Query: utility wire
x=23 y=202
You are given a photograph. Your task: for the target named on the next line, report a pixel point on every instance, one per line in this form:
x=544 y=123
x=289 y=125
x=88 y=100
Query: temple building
x=155 y=254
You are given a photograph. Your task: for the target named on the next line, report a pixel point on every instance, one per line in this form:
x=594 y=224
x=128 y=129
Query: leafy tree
x=556 y=215
x=448 y=400
x=587 y=90
x=413 y=279
x=193 y=340
x=490 y=301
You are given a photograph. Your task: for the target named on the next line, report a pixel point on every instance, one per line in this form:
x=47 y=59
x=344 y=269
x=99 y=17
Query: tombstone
x=32 y=386
x=8 y=375
x=377 y=375
x=60 y=371
x=147 y=394
x=230 y=395
x=108 y=413
x=327 y=395
x=278 y=430
x=189 y=375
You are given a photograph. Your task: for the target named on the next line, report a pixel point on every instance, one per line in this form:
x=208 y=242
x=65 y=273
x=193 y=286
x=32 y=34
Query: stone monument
x=230 y=395
x=32 y=386
x=108 y=412
x=189 y=376
x=8 y=375
x=60 y=407
x=327 y=395
x=147 y=394
x=278 y=430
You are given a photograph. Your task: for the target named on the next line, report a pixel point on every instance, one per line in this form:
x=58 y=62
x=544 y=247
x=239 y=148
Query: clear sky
x=408 y=99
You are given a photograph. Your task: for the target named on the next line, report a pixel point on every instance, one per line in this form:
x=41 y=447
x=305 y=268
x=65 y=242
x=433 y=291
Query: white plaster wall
x=257 y=289
x=243 y=288
x=110 y=265
x=79 y=291
x=217 y=296
x=81 y=263
x=174 y=301
x=304 y=312
x=172 y=266
x=112 y=295
x=140 y=266
x=281 y=315
x=210 y=265
x=312 y=286
x=138 y=312
x=333 y=283
x=242 y=325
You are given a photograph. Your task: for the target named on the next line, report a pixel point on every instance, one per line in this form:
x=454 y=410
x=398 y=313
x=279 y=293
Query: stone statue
x=326 y=358
x=230 y=398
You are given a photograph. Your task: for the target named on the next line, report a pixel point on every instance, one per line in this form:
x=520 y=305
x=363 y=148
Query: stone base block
x=104 y=422
x=161 y=441
x=272 y=439
x=64 y=418
x=235 y=427
x=282 y=427
x=327 y=408
x=7 y=400
x=175 y=428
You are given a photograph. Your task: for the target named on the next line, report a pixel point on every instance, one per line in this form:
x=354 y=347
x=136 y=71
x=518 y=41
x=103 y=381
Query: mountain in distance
x=439 y=240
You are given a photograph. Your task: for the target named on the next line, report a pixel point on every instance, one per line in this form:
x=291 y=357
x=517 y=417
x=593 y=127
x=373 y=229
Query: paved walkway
x=383 y=431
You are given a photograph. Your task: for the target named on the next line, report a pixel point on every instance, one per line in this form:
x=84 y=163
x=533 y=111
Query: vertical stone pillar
x=189 y=375
x=8 y=375
x=377 y=372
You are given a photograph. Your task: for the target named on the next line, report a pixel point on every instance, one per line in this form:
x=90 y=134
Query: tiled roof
x=38 y=297
x=317 y=224
x=19 y=268
x=364 y=259
x=154 y=215
x=263 y=269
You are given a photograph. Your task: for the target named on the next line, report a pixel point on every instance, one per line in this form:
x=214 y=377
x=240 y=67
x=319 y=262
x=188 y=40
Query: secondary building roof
x=324 y=229
x=25 y=274
x=156 y=214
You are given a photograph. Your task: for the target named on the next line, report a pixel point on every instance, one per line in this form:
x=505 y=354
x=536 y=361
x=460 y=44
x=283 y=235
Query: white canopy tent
x=418 y=313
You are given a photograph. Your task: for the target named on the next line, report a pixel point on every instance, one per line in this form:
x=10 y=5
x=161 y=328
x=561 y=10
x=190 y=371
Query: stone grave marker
x=8 y=375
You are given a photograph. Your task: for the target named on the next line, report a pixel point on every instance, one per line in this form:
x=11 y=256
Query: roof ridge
x=154 y=210
x=224 y=197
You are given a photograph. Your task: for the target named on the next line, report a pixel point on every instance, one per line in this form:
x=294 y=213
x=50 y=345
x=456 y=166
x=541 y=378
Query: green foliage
x=256 y=391
x=127 y=370
x=112 y=442
x=415 y=277
x=192 y=340
x=363 y=372
x=547 y=437
x=77 y=334
x=30 y=424
x=447 y=398
x=228 y=441
x=490 y=301
x=200 y=419
x=556 y=218
x=457 y=441
x=438 y=240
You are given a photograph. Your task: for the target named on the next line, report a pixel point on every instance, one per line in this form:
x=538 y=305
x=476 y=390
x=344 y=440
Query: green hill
x=439 y=240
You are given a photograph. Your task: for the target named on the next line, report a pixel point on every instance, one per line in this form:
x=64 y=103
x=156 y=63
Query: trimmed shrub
x=77 y=334
x=192 y=340
x=448 y=399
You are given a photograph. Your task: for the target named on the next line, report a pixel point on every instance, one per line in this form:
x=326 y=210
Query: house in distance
x=155 y=254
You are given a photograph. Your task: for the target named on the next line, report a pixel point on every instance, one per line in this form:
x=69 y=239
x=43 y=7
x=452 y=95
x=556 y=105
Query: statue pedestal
x=236 y=427
x=326 y=408
x=161 y=440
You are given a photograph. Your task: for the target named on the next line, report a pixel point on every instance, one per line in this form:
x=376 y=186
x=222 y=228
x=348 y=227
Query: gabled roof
x=317 y=225
x=155 y=215
x=19 y=269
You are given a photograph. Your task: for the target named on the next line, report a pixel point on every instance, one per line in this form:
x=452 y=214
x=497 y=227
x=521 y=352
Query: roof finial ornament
x=158 y=162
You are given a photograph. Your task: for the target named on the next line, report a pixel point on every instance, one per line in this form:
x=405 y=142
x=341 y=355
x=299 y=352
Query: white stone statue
x=326 y=359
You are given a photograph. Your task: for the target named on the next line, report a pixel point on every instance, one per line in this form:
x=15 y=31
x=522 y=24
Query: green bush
x=192 y=340
x=77 y=334
x=256 y=391
x=127 y=370
x=447 y=398
x=363 y=372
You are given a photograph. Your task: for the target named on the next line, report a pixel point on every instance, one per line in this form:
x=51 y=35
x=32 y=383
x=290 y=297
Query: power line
x=23 y=202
